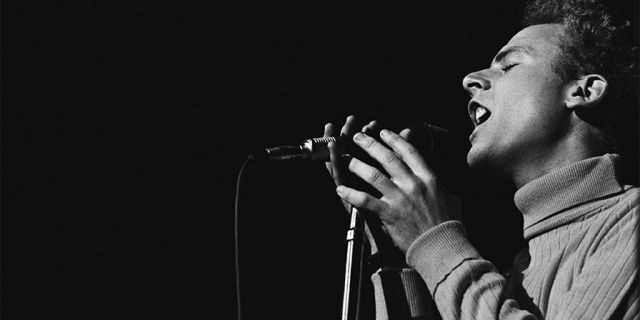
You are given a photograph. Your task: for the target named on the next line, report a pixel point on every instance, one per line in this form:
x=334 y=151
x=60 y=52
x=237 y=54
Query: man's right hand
x=338 y=169
x=337 y=165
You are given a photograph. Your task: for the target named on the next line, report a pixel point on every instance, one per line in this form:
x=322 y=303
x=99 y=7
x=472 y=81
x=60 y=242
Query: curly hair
x=599 y=38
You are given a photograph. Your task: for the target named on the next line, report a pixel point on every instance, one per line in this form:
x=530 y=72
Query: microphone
x=314 y=149
x=429 y=138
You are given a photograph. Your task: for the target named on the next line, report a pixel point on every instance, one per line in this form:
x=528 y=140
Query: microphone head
x=429 y=139
x=318 y=148
x=444 y=152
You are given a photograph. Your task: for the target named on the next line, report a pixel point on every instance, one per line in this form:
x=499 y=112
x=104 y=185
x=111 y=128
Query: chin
x=483 y=161
x=474 y=158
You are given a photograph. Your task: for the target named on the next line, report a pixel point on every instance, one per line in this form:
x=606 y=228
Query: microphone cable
x=237 y=238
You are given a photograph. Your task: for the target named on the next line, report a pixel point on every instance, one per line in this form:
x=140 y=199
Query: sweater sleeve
x=400 y=293
x=465 y=286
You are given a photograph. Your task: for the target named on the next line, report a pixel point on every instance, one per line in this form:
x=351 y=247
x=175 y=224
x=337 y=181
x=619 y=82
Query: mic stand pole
x=353 y=267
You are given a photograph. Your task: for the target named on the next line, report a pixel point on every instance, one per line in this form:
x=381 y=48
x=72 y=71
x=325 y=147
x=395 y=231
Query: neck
x=573 y=149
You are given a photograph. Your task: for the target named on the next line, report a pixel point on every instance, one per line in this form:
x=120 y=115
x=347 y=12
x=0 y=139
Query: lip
x=473 y=134
x=471 y=107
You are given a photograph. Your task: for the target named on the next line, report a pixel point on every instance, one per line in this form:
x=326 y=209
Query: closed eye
x=508 y=67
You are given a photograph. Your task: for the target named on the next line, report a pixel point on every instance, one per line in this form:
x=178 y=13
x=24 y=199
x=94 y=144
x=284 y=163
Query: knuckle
x=411 y=150
x=416 y=187
x=389 y=158
x=367 y=142
x=431 y=181
x=375 y=176
x=391 y=218
x=364 y=201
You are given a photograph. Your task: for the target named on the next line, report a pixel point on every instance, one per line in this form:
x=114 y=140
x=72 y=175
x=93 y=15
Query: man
x=542 y=113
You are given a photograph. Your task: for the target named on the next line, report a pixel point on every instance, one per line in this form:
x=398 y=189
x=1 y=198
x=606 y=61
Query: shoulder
x=618 y=222
x=629 y=201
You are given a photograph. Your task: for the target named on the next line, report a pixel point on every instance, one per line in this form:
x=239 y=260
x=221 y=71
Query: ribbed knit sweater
x=581 y=226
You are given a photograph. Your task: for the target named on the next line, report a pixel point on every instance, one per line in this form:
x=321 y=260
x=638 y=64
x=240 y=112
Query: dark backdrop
x=125 y=124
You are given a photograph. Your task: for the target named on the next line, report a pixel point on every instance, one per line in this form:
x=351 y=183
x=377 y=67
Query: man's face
x=517 y=103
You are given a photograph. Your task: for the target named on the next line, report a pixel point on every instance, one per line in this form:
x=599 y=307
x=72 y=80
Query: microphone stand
x=354 y=267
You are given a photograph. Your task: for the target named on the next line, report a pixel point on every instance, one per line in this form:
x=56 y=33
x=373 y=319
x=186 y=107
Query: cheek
x=529 y=97
x=517 y=105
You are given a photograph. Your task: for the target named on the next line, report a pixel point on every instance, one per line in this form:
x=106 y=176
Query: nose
x=476 y=81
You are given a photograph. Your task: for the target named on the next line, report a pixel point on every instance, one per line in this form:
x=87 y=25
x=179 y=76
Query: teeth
x=480 y=111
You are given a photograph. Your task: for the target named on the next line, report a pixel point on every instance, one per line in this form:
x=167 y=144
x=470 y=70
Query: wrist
x=437 y=252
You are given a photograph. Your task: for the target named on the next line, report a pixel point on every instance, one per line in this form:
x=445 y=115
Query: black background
x=125 y=124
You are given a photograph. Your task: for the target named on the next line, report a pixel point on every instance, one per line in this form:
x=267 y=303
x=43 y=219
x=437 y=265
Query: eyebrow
x=504 y=53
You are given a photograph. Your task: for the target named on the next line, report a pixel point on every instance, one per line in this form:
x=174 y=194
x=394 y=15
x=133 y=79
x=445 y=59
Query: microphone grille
x=323 y=140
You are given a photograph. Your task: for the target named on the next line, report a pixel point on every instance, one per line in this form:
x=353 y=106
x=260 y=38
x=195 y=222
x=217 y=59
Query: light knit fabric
x=581 y=225
x=400 y=293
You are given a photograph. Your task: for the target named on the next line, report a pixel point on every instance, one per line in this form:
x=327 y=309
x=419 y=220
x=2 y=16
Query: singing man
x=553 y=113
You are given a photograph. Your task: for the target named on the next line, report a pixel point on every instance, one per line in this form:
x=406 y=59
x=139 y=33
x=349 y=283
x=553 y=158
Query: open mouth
x=478 y=113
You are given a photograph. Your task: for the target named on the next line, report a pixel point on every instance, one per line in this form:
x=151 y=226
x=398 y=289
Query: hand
x=413 y=200
x=337 y=167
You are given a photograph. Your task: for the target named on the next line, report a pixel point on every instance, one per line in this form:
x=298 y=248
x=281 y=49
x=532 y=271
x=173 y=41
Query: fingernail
x=358 y=136
x=339 y=190
x=384 y=132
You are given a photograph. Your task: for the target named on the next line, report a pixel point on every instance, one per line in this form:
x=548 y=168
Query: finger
x=390 y=161
x=336 y=162
x=373 y=176
x=329 y=131
x=405 y=133
x=349 y=126
x=407 y=152
x=360 y=199
x=371 y=128
x=338 y=169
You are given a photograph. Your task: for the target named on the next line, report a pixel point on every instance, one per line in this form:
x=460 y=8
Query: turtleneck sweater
x=581 y=225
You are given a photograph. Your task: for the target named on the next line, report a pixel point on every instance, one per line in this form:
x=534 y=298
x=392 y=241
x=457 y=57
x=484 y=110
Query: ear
x=586 y=92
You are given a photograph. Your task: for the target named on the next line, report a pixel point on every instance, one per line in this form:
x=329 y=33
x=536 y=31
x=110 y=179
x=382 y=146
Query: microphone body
x=314 y=149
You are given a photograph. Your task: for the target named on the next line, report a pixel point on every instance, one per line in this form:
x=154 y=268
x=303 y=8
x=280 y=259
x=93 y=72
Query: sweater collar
x=566 y=187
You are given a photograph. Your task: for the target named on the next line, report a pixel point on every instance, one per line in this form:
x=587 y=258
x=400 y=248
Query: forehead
x=542 y=38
